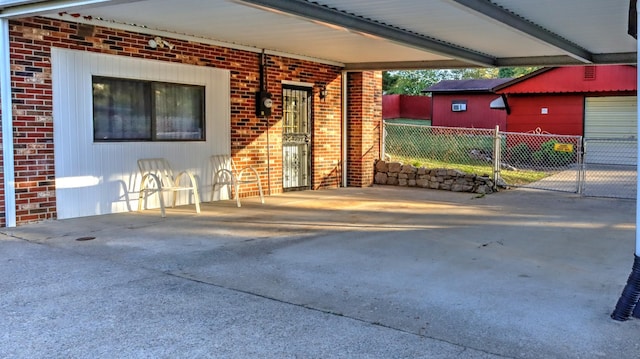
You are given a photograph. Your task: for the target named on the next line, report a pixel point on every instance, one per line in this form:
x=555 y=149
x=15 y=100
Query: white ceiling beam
x=314 y=11
x=522 y=25
x=34 y=8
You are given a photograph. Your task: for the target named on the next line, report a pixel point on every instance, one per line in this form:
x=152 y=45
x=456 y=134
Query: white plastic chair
x=226 y=173
x=158 y=173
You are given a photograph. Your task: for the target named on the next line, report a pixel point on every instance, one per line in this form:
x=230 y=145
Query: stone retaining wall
x=397 y=174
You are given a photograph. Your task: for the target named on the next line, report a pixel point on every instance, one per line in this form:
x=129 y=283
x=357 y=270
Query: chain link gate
x=551 y=162
x=610 y=167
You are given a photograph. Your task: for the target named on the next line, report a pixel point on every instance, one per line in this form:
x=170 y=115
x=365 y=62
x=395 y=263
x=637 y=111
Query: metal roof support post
x=7 y=126
x=345 y=127
x=628 y=303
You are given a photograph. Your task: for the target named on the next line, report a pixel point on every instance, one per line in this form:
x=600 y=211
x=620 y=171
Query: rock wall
x=397 y=174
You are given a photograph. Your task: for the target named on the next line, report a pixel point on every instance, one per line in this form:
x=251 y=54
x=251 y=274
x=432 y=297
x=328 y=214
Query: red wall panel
x=406 y=106
x=477 y=115
x=390 y=106
x=415 y=107
x=564 y=113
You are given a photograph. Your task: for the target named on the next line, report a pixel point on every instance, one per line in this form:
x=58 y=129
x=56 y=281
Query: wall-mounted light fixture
x=323 y=92
x=159 y=42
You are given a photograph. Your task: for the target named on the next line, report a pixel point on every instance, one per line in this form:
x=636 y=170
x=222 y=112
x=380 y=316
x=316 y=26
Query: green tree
x=409 y=82
x=389 y=79
x=413 y=82
x=506 y=72
x=479 y=73
x=513 y=72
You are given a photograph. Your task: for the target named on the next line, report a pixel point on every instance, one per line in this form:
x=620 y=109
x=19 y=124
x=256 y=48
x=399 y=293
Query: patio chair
x=226 y=173
x=157 y=177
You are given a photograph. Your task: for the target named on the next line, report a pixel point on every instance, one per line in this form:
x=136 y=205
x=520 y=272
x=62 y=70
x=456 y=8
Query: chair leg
x=162 y=211
x=196 y=198
x=230 y=190
x=213 y=191
x=260 y=191
x=160 y=197
x=140 y=198
x=237 y=188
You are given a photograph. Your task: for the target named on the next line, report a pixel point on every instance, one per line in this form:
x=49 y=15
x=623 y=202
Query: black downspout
x=628 y=301
x=263 y=85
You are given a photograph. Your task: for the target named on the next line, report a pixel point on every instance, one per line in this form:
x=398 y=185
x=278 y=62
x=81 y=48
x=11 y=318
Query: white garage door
x=610 y=130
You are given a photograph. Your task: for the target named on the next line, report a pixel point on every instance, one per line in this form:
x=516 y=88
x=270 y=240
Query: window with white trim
x=138 y=110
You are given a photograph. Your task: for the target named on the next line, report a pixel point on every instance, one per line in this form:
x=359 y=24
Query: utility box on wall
x=263 y=104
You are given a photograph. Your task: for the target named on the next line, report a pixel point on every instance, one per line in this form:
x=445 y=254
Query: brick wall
x=30 y=46
x=364 y=115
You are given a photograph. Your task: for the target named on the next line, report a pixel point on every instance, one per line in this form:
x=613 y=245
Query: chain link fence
x=441 y=147
x=534 y=160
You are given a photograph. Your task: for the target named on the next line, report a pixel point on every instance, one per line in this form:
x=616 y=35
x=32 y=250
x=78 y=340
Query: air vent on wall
x=589 y=73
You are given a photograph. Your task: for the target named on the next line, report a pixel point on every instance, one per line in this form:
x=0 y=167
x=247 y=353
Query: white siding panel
x=613 y=118
x=100 y=178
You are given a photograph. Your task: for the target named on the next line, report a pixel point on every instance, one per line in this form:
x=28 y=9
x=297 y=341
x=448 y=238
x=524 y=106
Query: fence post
x=496 y=156
x=582 y=143
x=384 y=141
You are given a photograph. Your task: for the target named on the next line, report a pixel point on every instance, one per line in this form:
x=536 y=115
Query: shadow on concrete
x=355 y=272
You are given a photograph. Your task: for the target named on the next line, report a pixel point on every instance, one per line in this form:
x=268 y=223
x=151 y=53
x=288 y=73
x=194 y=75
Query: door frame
x=308 y=88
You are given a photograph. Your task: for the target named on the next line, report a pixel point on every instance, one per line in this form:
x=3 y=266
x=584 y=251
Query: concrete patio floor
x=378 y=272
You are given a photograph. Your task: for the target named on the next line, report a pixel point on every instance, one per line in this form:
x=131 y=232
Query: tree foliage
x=514 y=72
x=413 y=82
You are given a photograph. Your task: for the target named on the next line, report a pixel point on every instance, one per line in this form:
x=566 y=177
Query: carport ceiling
x=381 y=34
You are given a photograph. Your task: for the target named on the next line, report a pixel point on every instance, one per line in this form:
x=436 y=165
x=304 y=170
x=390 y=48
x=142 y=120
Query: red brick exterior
x=364 y=116
x=31 y=40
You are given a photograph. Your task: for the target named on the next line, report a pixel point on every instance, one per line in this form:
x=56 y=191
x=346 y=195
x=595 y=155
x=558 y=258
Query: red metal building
x=574 y=100
x=591 y=101
x=465 y=103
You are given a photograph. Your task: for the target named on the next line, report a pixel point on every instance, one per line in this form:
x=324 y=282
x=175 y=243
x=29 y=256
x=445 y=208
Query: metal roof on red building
x=468 y=85
x=574 y=79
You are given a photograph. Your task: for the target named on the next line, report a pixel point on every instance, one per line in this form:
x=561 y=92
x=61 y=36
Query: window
x=134 y=110
x=458 y=105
